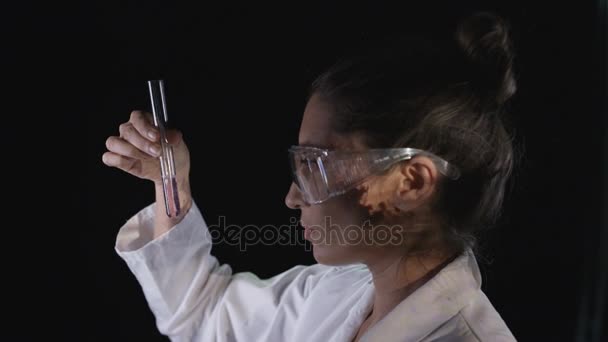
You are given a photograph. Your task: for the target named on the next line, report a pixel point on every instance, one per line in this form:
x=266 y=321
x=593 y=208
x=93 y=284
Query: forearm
x=182 y=282
x=162 y=222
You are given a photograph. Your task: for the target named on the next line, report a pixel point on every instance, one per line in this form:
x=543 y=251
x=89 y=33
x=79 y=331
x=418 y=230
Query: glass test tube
x=167 y=162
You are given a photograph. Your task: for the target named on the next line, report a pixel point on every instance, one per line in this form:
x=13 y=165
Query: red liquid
x=171 y=196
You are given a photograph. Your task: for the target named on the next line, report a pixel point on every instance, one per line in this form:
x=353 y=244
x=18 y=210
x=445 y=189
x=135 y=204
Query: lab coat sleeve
x=192 y=295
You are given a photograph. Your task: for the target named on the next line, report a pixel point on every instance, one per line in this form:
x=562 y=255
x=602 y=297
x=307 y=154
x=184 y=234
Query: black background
x=237 y=75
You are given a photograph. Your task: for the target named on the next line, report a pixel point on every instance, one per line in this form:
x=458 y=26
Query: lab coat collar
x=432 y=304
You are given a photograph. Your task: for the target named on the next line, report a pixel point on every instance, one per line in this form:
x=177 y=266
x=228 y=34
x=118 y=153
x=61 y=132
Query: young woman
x=402 y=156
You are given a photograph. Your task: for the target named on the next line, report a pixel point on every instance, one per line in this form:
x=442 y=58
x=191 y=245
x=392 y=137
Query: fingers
x=124 y=148
x=129 y=133
x=124 y=163
x=142 y=122
x=144 y=135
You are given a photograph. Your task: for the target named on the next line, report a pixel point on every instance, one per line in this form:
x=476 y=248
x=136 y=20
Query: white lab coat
x=195 y=298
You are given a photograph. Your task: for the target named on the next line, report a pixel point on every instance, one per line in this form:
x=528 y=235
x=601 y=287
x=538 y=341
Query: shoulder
x=484 y=321
x=478 y=321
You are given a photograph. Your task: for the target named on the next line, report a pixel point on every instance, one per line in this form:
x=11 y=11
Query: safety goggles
x=321 y=174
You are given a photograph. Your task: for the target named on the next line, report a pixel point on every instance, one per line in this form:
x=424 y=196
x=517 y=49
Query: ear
x=417 y=183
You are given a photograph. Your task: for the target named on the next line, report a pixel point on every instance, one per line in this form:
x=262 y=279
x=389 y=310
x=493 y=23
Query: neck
x=399 y=273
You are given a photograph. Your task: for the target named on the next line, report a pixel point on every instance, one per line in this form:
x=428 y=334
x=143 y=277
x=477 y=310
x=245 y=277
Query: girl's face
x=343 y=229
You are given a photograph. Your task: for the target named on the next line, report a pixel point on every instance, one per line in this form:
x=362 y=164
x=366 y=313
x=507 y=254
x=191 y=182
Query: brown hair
x=444 y=96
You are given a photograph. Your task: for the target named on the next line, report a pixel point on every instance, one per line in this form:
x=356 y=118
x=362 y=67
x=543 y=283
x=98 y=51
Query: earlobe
x=404 y=195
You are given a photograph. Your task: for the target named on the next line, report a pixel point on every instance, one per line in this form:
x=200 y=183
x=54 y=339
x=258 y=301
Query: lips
x=307 y=230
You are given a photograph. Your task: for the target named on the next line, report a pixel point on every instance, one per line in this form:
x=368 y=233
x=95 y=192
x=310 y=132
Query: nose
x=294 y=200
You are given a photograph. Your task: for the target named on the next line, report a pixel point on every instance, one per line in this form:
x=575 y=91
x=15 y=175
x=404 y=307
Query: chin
x=331 y=256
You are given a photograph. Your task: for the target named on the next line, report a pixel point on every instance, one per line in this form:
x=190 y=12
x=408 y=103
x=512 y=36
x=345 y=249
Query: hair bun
x=484 y=38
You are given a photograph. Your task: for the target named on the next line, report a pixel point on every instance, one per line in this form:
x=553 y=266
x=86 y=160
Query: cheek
x=344 y=210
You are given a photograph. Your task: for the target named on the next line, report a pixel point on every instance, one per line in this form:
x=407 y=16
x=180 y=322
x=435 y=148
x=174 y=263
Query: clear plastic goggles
x=322 y=174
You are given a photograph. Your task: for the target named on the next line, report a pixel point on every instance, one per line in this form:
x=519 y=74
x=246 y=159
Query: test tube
x=167 y=162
